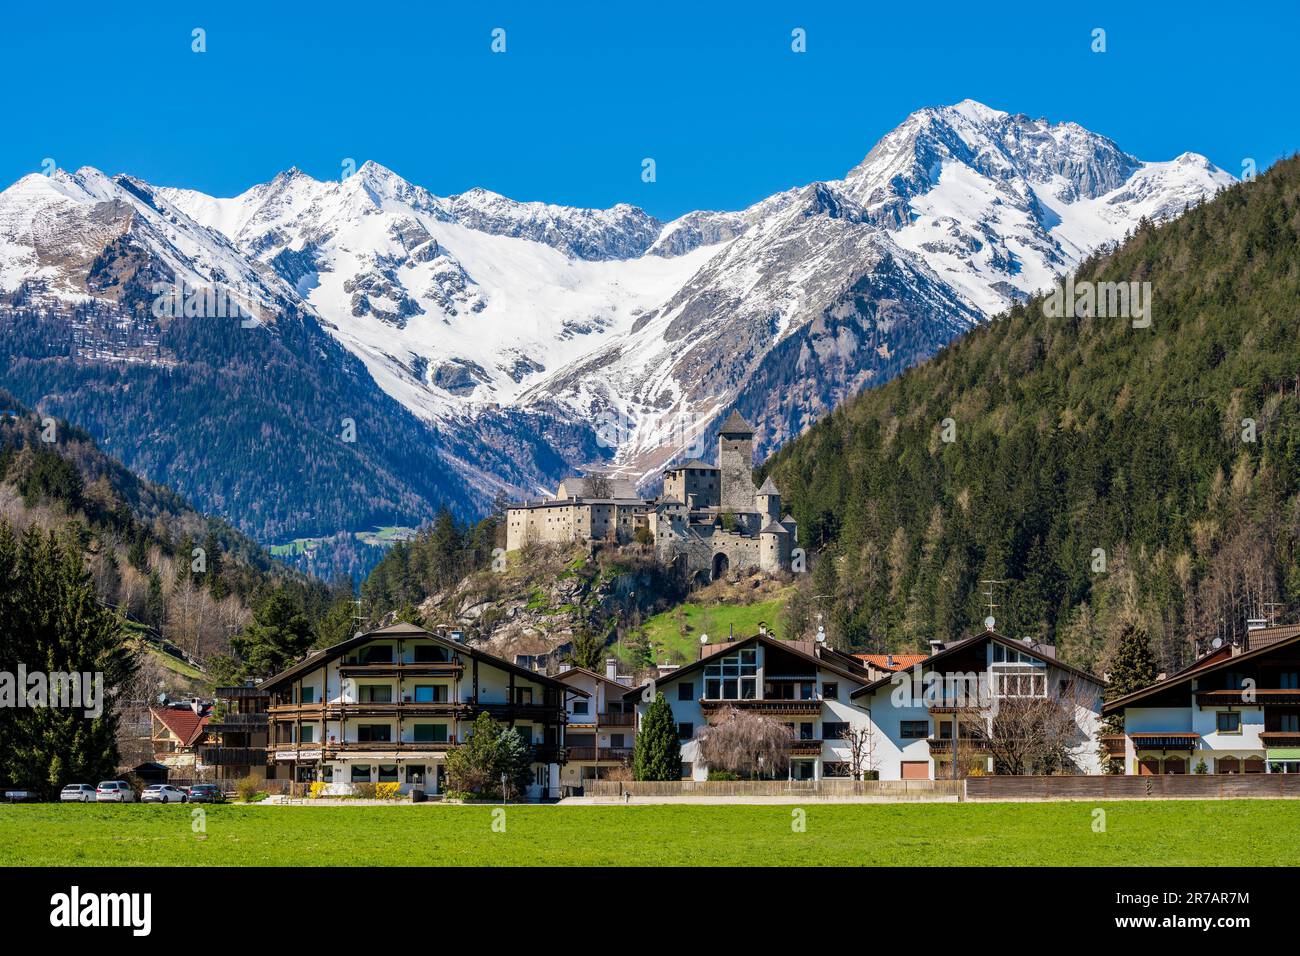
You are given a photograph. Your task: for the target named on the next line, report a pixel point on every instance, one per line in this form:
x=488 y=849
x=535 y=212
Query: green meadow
x=1176 y=833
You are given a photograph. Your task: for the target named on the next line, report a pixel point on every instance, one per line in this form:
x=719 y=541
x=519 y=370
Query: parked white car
x=162 y=793
x=77 y=793
x=114 y=791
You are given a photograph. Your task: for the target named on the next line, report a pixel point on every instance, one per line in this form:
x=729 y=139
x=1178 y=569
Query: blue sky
x=584 y=92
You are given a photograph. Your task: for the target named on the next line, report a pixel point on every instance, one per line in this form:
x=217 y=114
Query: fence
x=834 y=787
x=1209 y=786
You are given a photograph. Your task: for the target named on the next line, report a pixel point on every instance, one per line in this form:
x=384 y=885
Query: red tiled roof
x=900 y=661
x=185 y=724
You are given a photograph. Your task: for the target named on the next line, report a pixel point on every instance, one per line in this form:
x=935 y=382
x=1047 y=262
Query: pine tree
x=212 y=577
x=278 y=634
x=1132 y=668
x=51 y=622
x=657 y=754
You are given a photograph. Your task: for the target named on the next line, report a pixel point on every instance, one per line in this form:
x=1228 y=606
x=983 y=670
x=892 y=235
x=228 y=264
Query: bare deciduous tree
x=745 y=743
x=861 y=741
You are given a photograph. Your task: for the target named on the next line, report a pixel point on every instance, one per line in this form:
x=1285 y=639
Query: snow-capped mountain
x=551 y=335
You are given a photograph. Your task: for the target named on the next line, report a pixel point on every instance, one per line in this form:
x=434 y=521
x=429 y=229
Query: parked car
x=77 y=793
x=162 y=793
x=20 y=795
x=114 y=791
x=206 y=793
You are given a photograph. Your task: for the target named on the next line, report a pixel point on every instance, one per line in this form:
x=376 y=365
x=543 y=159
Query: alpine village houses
x=388 y=705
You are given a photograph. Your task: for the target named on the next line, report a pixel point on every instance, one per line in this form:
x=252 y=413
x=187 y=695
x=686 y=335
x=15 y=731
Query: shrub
x=366 y=791
x=246 y=789
x=317 y=788
x=388 y=791
x=723 y=775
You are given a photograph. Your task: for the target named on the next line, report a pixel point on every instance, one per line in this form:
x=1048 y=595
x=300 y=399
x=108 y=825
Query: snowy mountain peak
x=529 y=324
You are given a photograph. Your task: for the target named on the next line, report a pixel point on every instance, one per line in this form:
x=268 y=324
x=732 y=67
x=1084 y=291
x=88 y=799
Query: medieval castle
x=709 y=518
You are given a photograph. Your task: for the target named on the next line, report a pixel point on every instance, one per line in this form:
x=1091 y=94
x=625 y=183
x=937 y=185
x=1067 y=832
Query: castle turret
x=768 y=501
x=773 y=547
x=736 y=463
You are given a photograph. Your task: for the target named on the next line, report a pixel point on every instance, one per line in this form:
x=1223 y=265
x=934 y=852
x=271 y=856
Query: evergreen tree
x=52 y=623
x=1132 y=668
x=213 y=579
x=278 y=634
x=657 y=753
x=588 y=649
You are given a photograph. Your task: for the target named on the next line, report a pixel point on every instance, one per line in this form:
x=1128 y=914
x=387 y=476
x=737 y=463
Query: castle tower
x=736 y=462
x=768 y=501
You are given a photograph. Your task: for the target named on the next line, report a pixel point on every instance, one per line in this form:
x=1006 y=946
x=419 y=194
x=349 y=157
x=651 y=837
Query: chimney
x=935 y=646
x=458 y=636
x=762 y=628
x=889 y=660
x=611 y=668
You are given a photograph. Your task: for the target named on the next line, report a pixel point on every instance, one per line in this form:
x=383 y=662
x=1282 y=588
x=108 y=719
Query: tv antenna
x=989 y=583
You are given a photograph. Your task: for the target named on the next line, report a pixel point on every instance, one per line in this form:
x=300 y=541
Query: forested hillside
x=1095 y=467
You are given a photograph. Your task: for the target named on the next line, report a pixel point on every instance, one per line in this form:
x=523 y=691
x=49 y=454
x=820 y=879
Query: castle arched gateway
x=720 y=565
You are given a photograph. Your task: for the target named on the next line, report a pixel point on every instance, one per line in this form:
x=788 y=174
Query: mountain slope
x=1078 y=436
x=244 y=415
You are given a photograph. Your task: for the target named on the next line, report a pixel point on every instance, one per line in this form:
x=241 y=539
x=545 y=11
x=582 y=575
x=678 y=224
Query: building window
x=374 y=733
x=539 y=776
x=430 y=694
x=1228 y=722
x=617 y=741
x=834 y=730
x=835 y=768
x=685 y=731
x=388 y=773
x=430 y=733
x=360 y=773
x=1289 y=680
x=830 y=691
x=308 y=695
x=415 y=774
x=308 y=734
x=686 y=771
x=580 y=706
x=685 y=690
x=1289 y=723
x=375 y=693
x=914 y=729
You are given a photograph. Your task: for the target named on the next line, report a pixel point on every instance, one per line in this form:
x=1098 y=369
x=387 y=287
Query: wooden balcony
x=404 y=668
x=765 y=706
x=1258 y=696
x=1280 y=738
x=232 y=756
x=239 y=723
x=805 y=748
x=549 y=753
x=943 y=745
x=1114 y=744
x=620 y=719
x=610 y=754
x=1175 y=740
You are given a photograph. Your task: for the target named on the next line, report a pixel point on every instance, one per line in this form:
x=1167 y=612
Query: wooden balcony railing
x=400 y=668
x=765 y=706
x=612 y=754
x=616 y=719
x=805 y=748
x=1114 y=744
x=232 y=756
x=943 y=745
x=1280 y=738
x=242 y=723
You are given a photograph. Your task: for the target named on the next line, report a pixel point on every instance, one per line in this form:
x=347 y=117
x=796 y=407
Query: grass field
x=1173 y=833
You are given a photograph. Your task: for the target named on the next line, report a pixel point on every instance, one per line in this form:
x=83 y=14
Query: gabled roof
x=788 y=647
x=736 y=425
x=401 y=629
x=774 y=527
x=576 y=671
x=971 y=641
x=186 y=725
x=769 y=487
x=1186 y=676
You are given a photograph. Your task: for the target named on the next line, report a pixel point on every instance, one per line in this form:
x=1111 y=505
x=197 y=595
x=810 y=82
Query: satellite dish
x=989 y=622
x=1216 y=643
x=704 y=638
